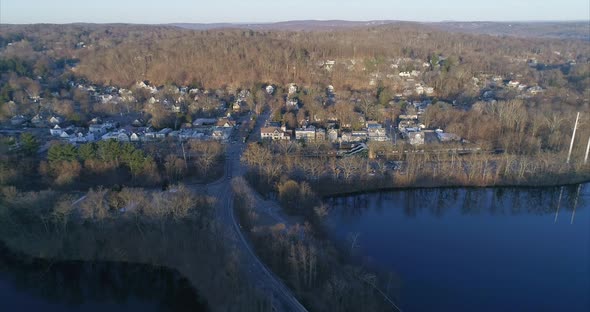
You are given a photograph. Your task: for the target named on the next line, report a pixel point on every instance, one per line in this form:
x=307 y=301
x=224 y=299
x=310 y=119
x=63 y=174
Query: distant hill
x=556 y=30
x=306 y=25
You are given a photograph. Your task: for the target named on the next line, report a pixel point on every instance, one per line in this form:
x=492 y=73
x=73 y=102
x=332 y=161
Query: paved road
x=282 y=298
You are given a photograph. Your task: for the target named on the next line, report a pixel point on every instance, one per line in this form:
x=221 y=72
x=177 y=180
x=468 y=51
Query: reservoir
x=462 y=249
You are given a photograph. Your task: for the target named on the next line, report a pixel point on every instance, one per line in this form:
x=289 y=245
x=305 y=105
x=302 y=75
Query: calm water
x=38 y=285
x=501 y=249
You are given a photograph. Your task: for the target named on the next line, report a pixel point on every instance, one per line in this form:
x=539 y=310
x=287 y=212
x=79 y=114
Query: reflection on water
x=462 y=249
x=471 y=201
x=39 y=285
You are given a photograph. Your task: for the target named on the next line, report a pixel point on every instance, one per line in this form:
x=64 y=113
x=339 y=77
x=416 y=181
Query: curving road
x=264 y=278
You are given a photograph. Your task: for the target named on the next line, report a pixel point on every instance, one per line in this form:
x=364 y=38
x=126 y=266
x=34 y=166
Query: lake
x=454 y=249
x=28 y=284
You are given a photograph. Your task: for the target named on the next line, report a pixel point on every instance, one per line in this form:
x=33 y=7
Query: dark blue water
x=39 y=285
x=474 y=249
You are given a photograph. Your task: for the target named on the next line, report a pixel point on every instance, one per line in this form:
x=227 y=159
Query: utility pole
x=587 y=150
x=569 y=154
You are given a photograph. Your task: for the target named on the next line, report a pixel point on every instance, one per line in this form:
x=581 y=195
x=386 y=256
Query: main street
x=263 y=277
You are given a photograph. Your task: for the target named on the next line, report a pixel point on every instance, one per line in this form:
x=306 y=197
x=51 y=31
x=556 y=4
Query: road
x=264 y=278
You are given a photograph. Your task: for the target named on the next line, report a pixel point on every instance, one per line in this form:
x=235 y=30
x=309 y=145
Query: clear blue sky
x=214 y=11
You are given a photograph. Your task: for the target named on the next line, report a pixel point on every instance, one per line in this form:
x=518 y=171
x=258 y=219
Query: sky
x=261 y=11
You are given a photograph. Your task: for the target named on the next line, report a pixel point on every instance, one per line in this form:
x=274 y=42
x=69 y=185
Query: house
x=190 y=135
x=149 y=135
x=320 y=134
x=225 y=123
x=204 y=122
x=55 y=120
x=138 y=123
x=123 y=137
x=306 y=134
x=333 y=135
x=513 y=83
x=163 y=133
x=447 y=137
x=175 y=108
x=116 y=135
x=96 y=120
x=18 y=120
x=407 y=124
x=328 y=65
x=98 y=128
x=221 y=134
x=38 y=120
x=346 y=136
x=376 y=132
x=416 y=138
x=143 y=85
x=274 y=133
x=56 y=131
x=419 y=89
x=359 y=136
x=270 y=90
x=80 y=138
x=408 y=117
x=134 y=137
x=237 y=106
x=105 y=99
x=535 y=90
x=292 y=89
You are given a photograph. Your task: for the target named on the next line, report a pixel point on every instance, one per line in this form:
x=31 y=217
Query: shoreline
x=365 y=189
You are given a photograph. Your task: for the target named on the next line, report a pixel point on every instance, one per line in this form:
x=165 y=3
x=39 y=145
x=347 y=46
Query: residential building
x=416 y=138
x=274 y=133
x=225 y=123
x=305 y=134
x=333 y=135
x=320 y=134
x=270 y=90
x=18 y=120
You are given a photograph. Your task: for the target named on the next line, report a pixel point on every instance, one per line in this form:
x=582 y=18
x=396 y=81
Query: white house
x=333 y=135
x=56 y=130
x=416 y=138
x=419 y=89
x=513 y=83
x=274 y=133
x=221 y=134
x=55 y=120
x=134 y=137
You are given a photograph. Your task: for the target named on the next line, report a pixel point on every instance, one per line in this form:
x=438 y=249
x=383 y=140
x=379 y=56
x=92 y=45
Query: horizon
x=268 y=12
x=303 y=20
